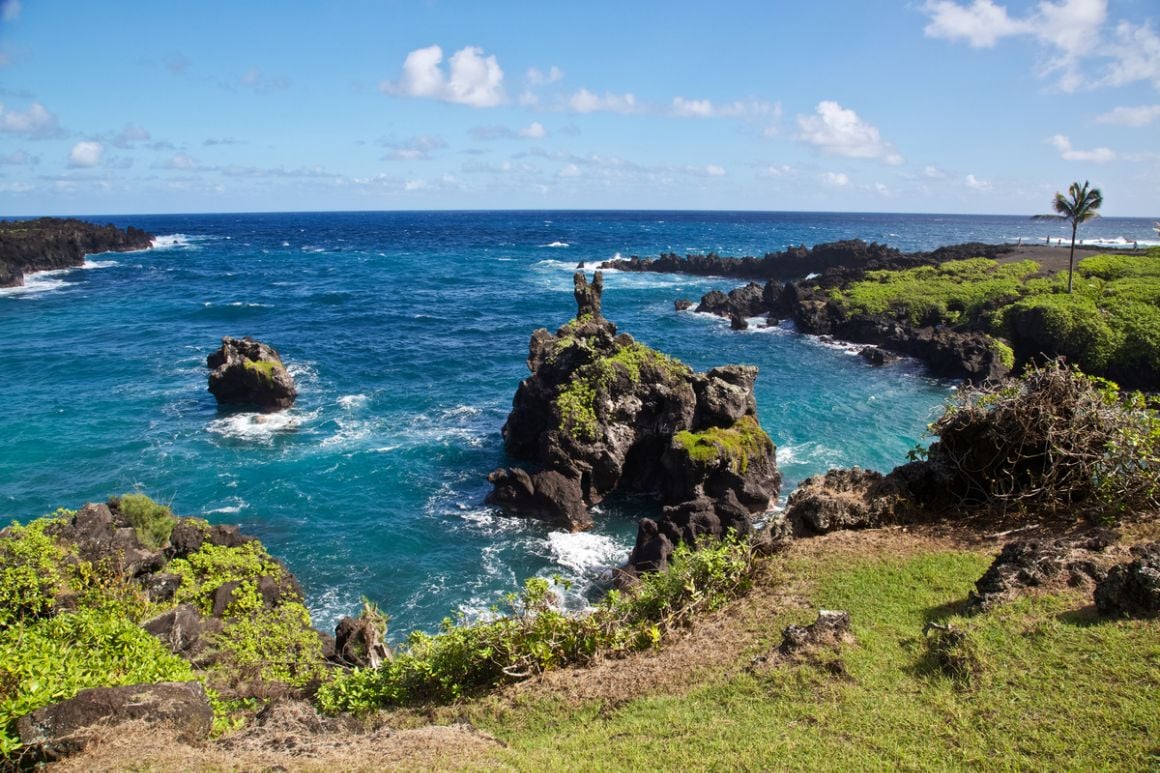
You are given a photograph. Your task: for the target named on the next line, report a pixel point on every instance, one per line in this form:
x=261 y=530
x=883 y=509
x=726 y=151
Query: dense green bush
x=30 y=572
x=153 y=522
x=1069 y=325
x=535 y=636
x=51 y=659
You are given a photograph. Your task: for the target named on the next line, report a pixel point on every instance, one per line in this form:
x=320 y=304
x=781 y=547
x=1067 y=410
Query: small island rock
x=248 y=372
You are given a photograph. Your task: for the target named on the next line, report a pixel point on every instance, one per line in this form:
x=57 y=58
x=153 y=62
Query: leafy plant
x=153 y=522
x=1079 y=206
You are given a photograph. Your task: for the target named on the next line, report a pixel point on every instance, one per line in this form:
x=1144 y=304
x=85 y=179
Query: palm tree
x=1078 y=206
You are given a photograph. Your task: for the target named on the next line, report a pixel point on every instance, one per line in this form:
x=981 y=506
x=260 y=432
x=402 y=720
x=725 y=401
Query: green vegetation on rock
x=264 y=368
x=535 y=637
x=735 y=444
x=68 y=623
x=577 y=401
x=153 y=522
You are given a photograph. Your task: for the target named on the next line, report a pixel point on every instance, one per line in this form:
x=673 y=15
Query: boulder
x=99 y=534
x=67 y=727
x=876 y=356
x=831 y=629
x=844 y=499
x=682 y=304
x=358 y=642
x=182 y=629
x=1132 y=589
x=1026 y=564
x=250 y=373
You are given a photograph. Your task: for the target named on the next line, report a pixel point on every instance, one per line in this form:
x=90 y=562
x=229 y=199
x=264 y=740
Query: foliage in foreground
x=65 y=626
x=1047 y=688
x=68 y=624
x=1052 y=439
x=464 y=659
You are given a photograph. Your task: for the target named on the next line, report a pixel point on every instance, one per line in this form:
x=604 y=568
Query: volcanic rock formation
x=602 y=413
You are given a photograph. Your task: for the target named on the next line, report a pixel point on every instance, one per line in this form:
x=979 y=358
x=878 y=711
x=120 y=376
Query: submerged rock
x=248 y=372
x=602 y=413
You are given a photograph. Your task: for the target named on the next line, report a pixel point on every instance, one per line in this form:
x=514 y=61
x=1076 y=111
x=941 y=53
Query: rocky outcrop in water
x=250 y=373
x=602 y=413
x=48 y=244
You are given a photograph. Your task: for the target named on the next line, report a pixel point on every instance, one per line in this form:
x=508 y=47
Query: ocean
x=407 y=334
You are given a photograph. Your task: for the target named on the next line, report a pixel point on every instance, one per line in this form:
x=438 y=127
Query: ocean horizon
x=407 y=332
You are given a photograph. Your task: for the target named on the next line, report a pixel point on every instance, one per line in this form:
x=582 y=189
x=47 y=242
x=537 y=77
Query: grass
x=1058 y=690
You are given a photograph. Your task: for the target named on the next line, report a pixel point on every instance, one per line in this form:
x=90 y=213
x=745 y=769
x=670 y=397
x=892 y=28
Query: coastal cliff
x=49 y=244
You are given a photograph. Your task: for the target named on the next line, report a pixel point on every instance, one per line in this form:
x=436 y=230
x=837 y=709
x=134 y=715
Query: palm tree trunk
x=1071 y=256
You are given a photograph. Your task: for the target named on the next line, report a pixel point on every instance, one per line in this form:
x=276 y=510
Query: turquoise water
x=407 y=334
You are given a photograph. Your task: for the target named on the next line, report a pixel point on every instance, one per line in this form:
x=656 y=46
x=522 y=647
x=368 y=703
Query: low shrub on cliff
x=735 y=444
x=535 y=636
x=153 y=522
x=1054 y=439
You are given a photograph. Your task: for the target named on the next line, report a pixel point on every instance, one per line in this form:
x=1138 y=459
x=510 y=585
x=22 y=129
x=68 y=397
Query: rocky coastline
x=51 y=244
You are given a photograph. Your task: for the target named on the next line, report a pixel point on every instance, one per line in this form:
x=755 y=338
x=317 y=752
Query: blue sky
x=977 y=106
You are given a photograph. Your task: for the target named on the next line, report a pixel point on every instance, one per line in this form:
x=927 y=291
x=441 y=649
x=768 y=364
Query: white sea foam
x=556 y=244
x=172 y=241
x=809 y=452
x=91 y=264
x=586 y=553
x=236 y=506
x=255 y=427
x=351 y=402
x=37 y=284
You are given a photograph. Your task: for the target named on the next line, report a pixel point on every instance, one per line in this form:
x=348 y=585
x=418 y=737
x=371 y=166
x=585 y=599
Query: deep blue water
x=407 y=333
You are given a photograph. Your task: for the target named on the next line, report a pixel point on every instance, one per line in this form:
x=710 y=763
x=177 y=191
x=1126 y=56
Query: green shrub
x=213 y=565
x=275 y=645
x=30 y=572
x=49 y=660
x=1069 y=325
x=153 y=522
x=466 y=658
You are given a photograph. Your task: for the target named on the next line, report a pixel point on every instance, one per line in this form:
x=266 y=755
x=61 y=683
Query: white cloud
x=692 y=108
x=36 y=121
x=86 y=154
x=1070 y=30
x=837 y=131
x=18 y=158
x=714 y=171
x=472 y=79
x=1130 y=116
x=932 y=172
x=9 y=10
x=1096 y=156
x=837 y=179
x=415 y=185
x=570 y=170
x=534 y=131
x=981 y=24
x=258 y=81
x=537 y=77
x=182 y=161
x=1136 y=56
x=415 y=148
x=881 y=189
x=777 y=170
x=584 y=101
x=975 y=184
x=704 y=108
